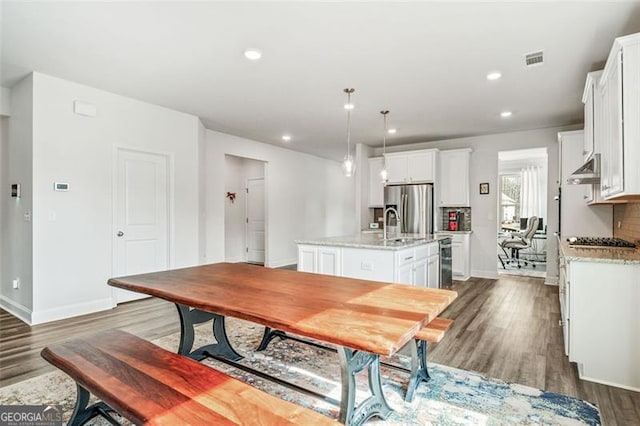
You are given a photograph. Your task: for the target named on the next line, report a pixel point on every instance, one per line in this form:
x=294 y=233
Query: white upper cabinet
x=376 y=187
x=411 y=166
x=453 y=179
x=619 y=92
x=588 y=99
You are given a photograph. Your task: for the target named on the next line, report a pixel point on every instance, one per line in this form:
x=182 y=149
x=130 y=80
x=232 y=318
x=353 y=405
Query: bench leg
x=419 y=371
x=351 y=363
x=189 y=318
x=82 y=414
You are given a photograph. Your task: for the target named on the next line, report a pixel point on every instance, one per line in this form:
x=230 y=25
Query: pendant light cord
x=349 y=91
x=384 y=135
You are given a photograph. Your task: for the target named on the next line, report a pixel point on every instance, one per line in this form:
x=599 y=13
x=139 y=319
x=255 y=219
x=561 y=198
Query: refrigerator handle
x=405 y=214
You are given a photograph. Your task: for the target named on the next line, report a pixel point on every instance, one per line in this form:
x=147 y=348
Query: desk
x=364 y=319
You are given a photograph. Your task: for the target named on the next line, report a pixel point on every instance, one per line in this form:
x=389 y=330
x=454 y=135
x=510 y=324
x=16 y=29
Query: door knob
x=120 y=234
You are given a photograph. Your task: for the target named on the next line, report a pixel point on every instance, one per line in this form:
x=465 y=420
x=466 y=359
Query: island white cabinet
x=376 y=187
x=453 y=178
x=600 y=320
x=619 y=94
x=433 y=271
x=412 y=166
x=417 y=266
x=320 y=259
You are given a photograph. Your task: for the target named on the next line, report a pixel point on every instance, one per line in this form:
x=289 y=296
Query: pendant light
x=348 y=165
x=383 y=173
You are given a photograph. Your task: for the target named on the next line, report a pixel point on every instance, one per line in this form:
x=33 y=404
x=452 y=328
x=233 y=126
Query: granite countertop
x=375 y=241
x=454 y=232
x=601 y=255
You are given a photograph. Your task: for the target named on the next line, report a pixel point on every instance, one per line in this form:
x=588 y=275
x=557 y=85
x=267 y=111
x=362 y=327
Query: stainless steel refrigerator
x=414 y=204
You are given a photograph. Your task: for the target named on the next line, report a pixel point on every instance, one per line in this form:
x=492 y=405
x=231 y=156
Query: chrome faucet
x=384 y=229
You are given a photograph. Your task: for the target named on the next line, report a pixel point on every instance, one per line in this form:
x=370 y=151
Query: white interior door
x=255 y=221
x=141 y=230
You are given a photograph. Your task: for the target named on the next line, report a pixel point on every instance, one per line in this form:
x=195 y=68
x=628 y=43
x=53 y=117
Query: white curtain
x=533 y=191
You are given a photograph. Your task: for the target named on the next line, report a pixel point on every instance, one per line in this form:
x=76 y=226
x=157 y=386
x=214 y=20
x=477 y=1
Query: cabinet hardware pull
x=408 y=258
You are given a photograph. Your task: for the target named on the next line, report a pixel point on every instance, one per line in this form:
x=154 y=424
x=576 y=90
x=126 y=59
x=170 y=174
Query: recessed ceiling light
x=286 y=138
x=505 y=114
x=348 y=106
x=392 y=131
x=253 y=54
x=494 y=75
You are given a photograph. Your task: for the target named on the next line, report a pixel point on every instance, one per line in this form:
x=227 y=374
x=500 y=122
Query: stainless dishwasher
x=445 y=263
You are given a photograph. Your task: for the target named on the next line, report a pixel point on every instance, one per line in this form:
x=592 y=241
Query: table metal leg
x=82 y=414
x=189 y=318
x=268 y=336
x=419 y=371
x=351 y=363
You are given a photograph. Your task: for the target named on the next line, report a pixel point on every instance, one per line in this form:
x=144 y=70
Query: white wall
x=72 y=252
x=484 y=210
x=307 y=196
x=202 y=186
x=16 y=232
x=5 y=101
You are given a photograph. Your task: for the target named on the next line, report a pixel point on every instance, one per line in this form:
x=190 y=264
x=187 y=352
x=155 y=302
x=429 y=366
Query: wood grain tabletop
x=363 y=315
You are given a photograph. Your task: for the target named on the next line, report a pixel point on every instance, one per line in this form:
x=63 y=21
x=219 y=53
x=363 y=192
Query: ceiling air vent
x=534 y=58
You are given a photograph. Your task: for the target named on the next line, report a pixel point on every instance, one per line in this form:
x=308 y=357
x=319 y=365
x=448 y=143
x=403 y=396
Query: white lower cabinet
x=433 y=271
x=460 y=255
x=417 y=266
x=601 y=321
x=320 y=259
x=404 y=274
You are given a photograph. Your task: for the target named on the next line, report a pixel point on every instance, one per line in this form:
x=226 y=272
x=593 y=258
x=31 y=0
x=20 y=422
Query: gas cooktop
x=599 y=242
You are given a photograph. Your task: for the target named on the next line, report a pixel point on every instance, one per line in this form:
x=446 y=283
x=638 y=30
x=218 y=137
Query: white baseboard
x=68 y=311
x=492 y=275
x=235 y=259
x=551 y=280
x=282 y=262
x=16 y=309
x=608 y=383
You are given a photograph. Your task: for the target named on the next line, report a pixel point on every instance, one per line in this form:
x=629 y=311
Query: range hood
x=588 y=173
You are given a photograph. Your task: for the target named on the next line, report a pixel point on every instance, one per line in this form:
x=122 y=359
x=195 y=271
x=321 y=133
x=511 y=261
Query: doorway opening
x=245 y=210
x=522 y=208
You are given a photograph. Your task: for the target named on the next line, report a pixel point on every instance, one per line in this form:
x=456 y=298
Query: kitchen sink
x=401 y=240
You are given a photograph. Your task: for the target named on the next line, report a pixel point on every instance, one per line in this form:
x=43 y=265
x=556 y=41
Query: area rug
x=451 y=397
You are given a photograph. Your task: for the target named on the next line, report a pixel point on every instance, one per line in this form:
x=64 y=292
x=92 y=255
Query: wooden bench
x=431 y=333
x=150 y=385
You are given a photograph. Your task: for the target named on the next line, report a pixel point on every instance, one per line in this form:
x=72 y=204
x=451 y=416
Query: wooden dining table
x=362 y=319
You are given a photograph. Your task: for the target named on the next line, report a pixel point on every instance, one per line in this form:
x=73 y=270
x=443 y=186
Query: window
x=510 y=185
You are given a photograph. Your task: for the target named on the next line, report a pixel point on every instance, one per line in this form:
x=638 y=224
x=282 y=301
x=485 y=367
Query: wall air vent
x=532 y=59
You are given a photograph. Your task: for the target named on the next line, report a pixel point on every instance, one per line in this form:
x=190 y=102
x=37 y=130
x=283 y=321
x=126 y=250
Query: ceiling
x=426 y=62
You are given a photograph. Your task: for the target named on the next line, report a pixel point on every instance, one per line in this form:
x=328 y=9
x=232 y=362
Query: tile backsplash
x=444 y=217
x=628 y=215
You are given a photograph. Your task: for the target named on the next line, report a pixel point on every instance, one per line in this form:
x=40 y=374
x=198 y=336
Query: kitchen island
x=404 y=259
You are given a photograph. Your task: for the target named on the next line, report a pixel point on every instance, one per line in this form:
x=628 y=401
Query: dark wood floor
x=506 y=329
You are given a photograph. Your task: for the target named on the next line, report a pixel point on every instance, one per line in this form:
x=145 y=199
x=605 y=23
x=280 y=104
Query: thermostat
x=60 y=186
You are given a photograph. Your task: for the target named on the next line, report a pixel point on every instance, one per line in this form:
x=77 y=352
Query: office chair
x=519 y=241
